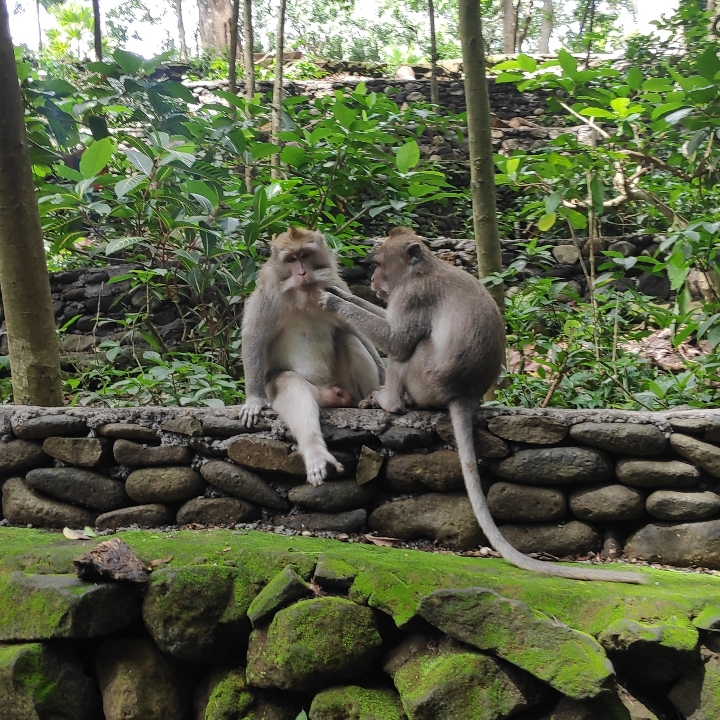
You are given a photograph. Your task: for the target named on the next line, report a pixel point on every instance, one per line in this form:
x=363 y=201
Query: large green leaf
x=407 y=156
x=121 y=243
x=129 y=62
x=198 y=187
x=96 y=157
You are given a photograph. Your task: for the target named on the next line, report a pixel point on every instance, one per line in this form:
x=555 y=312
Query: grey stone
x=219 y=426
x=139 y=683
x=566 y=254
x=561 y=540
x=625 y=248
x=129 y=431
x=650 y=655
x=264 y=454
x=690 y=424
x=403 y=439
x=20 y=455
x=625 y=438
x=333 y=496
x=23 y=506
x=352 y=702
x=44 y=607
x=526 y=638
x=183 y=426
x=345 y=436
x=657 y=473
x=657 y=286
x=86 y=452
x=684 y=545
x=283 y=590
x=79 y=487
x=695 y=695
x=39 y=682
x=607 y=503
x=440 y=471
x=334 y=574
x=134 y=454
x=74 y=343
x=205 y=447
x=449 y=519
x=535 y=429
x=242 y=484
x=676 y=506
x=217 y=511
x=369 y=465
x=49 y=425
x=198 y=613
x=312 y=644
x=164 y=484
x=144 y=516
x=704 y=455
x=555 y=466
x=522 y=503
x=487 y=445
x=350 y=522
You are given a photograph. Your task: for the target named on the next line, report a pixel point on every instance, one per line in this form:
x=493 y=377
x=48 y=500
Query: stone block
x=334 y=496
x=144 y=516
x=48 y=425
x=164 y=484
x=657 y=473
x=555 y=466
x=534 y=429
x=521 y=503
x=214 y=512
x=86 y=452
x=242 y=483
x=83 y=488
x=675 y=506
x=129 y=431
x=567 y=539
x=683 y=545
x=17 y=456
x=264 y=454
x=607 y=503
x=283 y=590
x=704 y=455
x=134 y=454
x=624 y=438
x=369 y=465
x=439 y=471
x=352 y=521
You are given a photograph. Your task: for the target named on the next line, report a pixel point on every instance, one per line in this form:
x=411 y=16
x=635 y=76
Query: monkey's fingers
x=250 y=412
x=369 y=402
x=335 y=290
x=329 y=302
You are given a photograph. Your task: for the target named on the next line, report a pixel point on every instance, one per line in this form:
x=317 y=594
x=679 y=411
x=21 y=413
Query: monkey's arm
x=355 y=300
x=399 y=346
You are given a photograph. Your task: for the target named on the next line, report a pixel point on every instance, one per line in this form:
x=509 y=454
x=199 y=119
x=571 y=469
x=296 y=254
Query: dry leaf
x=226 y=549
x=74 y=534
x=160 y=561
x=381 y=541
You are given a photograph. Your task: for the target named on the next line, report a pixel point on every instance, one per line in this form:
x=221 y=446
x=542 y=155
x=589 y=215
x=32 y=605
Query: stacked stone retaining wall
x=562 y=483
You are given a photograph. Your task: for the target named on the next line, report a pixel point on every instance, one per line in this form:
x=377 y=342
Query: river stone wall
x=560 y=483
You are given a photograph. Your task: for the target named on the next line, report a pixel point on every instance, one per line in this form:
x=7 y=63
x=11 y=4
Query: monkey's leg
x=391 y=397
x=295 y=402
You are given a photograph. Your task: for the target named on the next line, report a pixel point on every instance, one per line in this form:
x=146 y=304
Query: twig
x=554 y=385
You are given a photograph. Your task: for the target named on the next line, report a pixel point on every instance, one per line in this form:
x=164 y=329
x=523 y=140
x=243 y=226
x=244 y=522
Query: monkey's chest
x=308 y=348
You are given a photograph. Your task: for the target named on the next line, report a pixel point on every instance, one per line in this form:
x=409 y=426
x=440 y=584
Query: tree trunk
x=97 y=30
x=277 y=100
x=214 y=25
x=509 y=26
x=482 y=178
x=546 y=27
x=434 y=94
x=248 y=50
x=232 y=55
x=181 y=30
x=37 y=10
x=34 y=356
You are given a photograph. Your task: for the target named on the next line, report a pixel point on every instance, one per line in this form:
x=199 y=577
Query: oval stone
x=561 y=539
x=216 y=511
x=534 y=429
x=79 y=487
x=144 y=516
x=164 y=484
x=625 y=438
x=555 y=466
x=607 y=503
x=657 y=473
x=676 y=506
x=509 y=502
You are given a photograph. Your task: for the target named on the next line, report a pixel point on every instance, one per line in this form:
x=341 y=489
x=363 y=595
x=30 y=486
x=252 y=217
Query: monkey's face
x=379 y=282
x=304 y=266
x=394 y=261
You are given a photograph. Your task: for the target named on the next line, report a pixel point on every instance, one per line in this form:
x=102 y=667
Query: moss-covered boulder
x=223 y=694
x=697 y=694
x=334 y=574
x=570 y=661
x=199 y=613
x=651 y=655
x=452 y=681
x=352 y=702
x=283 y=590
x=42 y=607
x=38 y=682
x=313 y=643
x=138 y=682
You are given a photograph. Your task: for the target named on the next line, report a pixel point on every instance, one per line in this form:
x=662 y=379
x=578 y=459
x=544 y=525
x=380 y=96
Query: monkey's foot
x=250 y=411
x=379 y=399
x=316 y=462
x=369 y=402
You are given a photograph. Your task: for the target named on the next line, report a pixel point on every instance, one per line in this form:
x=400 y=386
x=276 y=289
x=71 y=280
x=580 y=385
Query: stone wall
x=560 y=483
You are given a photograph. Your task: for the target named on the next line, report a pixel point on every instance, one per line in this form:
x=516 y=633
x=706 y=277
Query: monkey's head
x=301 y=259
x=401 y=255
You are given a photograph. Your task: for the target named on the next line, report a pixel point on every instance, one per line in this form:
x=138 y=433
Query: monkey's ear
x=294 y=233
x=400 y=231
x=413 y=250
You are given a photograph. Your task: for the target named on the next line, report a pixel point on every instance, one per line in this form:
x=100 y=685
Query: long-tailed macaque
x=297 y=356
x=445 y=339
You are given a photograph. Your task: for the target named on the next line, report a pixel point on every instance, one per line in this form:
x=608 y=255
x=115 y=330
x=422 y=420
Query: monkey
x=297 y=356
x=445 y=339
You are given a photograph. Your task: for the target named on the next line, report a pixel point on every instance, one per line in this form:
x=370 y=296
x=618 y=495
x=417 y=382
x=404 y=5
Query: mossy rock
x=41 y=607
x=283 y=590
x=223 y=695
x=455 y=682
x=569 y=661
x=353 y=702
x=313 y=643
x=697 y=694
x=42 y=683
x=333 y=574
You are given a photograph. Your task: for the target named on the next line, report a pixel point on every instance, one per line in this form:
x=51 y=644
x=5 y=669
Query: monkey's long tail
x=461 y=415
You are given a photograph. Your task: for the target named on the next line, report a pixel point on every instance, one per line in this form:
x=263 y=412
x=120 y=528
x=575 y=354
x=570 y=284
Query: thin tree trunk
x=277 y=101
x=181 y=30
x=232 y=56
x=482 y=178
x=37 y=10
x=590 y=31
x=34 y=356
x=434 y=94
x=97 y=30
x=249 y=37
x=546 y=28
x=520 y=36
x=509 y=24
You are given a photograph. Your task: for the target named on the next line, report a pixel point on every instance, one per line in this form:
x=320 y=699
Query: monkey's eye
x=290 y=259
x=305 y=255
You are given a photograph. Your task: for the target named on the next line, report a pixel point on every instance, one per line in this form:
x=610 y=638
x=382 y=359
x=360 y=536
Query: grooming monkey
x=445 y=339
x=297 y=356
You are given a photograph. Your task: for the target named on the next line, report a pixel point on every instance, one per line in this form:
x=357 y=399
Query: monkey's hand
x=330 y=302
x=250 y=411
x=344 y=294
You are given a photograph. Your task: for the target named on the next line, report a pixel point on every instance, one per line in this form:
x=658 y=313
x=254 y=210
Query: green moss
x=229 y=698
x=353 y=702
x=286 y=587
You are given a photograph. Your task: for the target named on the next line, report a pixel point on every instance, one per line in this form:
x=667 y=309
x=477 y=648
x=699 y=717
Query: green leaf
x=658 y=85
x=526 y=63
x=407 y=156
x=127 y=185
x=140 y=161
x=575 y=218
x=546 y=221
x=568 y=63
x=293 y=156
x=597 y=193
x=512 y=165
x=96 y=157
x=551 y=202
x=61 y=88
x=713 y=336
x=597 y=112
x=620 y=105
x=129 y=62
x=263 y=150
x=675 y=117
x=198 y=187
x=708 y=63
x=344 y=115
x=634 y=78
x=121 y=243
x=173 y=88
